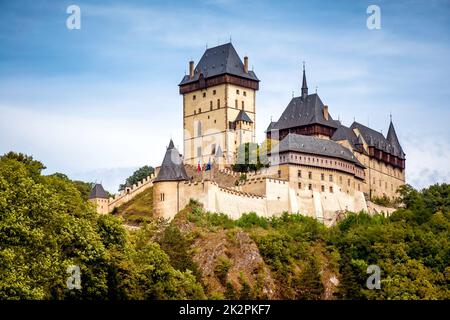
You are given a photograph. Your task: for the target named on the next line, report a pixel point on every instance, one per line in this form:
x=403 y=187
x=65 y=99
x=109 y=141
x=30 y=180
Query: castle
x=317 y=166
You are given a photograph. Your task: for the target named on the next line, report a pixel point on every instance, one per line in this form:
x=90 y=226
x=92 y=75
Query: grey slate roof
x=393 y=140
x=317 y=146
x=172 y=167
x=98 y=192
x=270 y=127
x=302 y=112
x=377 y=140
x=243 y=116
x=345 y=133
x=220 y=60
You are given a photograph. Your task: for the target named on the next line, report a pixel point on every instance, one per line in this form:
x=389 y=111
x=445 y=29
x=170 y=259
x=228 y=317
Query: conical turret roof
x=393 y=140
x=172 y=167
x=98 y=192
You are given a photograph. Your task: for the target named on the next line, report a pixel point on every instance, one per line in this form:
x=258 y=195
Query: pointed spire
x=171 y=145
x=393 y=140
x=304 y=85
x=172 y=167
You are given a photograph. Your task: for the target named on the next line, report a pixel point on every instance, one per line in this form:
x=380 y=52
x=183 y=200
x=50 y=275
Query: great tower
x=219 y=108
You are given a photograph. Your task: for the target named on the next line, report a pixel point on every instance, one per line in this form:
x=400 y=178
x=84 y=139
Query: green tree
x=139 y=175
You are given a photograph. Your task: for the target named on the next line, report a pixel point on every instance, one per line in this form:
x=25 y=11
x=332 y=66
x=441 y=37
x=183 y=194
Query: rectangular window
x=193 y=97
x=299 y=173
x=214 y=91
x=236 y=103
x=237 y=91
x=244 y=93
x=204 y=94
x=279 y=173
x=210 y=105
x=322 y=188
x=322 y=176
x=331 y=178
x=310 y=186
x=199 y=110
x=218 y=103
x=213 y=149
x=242 y=105
x=199 y=128
x=331 y=189
x=310 y=175
x=161 y=196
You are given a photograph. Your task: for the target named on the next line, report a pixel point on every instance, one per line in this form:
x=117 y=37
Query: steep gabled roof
x=270 y=127
x=345 y=133
x=313 y=145
x=393 y=140
x=172 y=167
x=98 y=192
x=243 y=116
x=220 y=60
x=302 y=112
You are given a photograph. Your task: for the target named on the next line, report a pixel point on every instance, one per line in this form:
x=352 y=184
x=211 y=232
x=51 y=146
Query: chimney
x=246 y=64
x=325 y=112
x=191 y=69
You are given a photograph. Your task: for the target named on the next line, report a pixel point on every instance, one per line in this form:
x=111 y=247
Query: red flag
x=199 y=168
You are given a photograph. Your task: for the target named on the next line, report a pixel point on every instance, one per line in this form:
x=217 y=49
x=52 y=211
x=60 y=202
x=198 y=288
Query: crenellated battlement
x=130 y=192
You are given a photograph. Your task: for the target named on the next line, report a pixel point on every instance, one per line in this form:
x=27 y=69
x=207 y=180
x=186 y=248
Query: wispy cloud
x=106 y=96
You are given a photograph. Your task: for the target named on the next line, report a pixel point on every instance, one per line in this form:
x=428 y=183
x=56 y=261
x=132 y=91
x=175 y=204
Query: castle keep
x=317 y=166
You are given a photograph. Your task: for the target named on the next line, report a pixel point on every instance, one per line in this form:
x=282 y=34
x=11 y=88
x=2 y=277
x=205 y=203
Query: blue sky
x=98 y=102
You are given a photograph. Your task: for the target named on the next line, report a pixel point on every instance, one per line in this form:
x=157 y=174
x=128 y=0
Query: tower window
x=162 y=197
x=210 y=105
x=213 y=149
x=244 y=93
x=199 y=110
x=322 y=188
x=237 y=91
x=218 y=103
x=309 y=175
x=279 y=173
x=331 y=178
x=299 y=185
x=299 y=173
x=199 y=128
x=310 y=186
x=204 y=94
x=195 y=111
x=331 y=189
x=236 y=103
x=214 y=92
x=194 y=97
x=242 y=105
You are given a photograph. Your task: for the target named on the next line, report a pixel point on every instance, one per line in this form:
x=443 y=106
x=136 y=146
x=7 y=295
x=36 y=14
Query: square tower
x=218 y=105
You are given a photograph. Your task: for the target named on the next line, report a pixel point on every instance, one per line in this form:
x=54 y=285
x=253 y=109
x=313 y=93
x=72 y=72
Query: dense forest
x=47 y=225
